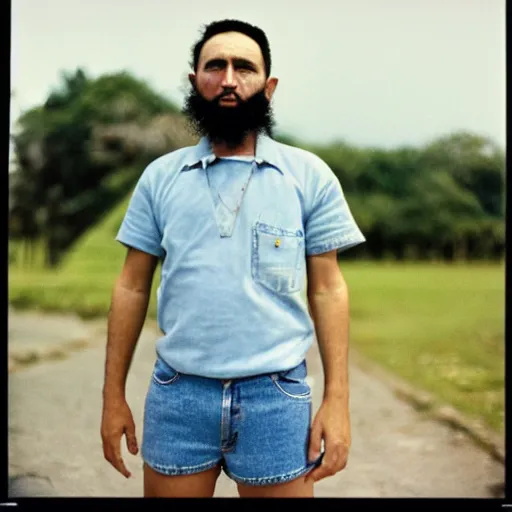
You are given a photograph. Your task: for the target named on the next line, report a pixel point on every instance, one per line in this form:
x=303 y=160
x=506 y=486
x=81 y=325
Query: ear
x=192 y=79
x=270 y=87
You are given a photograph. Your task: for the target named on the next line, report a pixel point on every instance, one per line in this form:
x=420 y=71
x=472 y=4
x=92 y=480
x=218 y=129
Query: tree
x=62 y=187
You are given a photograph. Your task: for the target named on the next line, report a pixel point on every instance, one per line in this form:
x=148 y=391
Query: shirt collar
x=202 y=154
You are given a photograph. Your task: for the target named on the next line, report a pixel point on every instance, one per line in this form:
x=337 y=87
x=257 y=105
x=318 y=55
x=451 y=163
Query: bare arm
x=329 y=307
x=130 y=300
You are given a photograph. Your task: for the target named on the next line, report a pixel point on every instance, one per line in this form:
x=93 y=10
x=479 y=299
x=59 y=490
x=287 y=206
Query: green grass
x=83 y=282
x=441 y=327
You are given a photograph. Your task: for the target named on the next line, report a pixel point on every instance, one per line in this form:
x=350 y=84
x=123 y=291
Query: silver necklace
x=244 y=189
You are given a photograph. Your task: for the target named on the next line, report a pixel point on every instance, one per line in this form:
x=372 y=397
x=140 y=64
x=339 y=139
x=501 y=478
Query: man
x=240 y=222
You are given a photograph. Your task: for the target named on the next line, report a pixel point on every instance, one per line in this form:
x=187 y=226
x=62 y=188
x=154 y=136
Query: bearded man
x=240 y=223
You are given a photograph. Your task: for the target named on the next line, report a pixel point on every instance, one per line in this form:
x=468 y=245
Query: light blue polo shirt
x=231 y=297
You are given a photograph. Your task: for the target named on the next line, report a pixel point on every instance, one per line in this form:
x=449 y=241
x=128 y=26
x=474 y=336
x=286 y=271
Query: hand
x=332 y=424
x=118 y=420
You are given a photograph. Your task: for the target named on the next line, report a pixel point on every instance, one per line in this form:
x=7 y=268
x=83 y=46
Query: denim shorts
x=255 y=428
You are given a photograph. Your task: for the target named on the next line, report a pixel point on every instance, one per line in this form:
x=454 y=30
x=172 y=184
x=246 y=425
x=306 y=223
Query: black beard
x=229 y=125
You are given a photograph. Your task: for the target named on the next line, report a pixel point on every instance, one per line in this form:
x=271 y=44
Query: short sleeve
x=139 y=228
x=330 y=224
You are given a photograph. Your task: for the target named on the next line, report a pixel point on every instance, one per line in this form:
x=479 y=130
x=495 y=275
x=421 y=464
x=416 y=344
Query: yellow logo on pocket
x=278 y=242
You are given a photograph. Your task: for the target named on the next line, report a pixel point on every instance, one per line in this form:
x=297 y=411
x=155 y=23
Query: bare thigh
x=197 y=485
x=297 y=488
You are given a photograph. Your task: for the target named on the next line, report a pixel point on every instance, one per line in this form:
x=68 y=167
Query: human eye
x=245 y=67
x=214 y=65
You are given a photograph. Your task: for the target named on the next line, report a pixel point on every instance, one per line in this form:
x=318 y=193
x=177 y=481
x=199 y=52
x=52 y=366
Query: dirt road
x=55 y=409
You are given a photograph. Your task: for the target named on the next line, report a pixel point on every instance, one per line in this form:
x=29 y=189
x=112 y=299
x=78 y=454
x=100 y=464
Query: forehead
x=231 y=45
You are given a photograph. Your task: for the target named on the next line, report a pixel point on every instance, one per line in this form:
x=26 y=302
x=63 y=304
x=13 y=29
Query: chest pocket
x=277 y=258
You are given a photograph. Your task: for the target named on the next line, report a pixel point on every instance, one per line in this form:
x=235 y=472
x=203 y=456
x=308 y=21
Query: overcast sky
x=371 y=72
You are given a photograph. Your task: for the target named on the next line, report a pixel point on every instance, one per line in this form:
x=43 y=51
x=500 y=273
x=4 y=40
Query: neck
x=247 y=147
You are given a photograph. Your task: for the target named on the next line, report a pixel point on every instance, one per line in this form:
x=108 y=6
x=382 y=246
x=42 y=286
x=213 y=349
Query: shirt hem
x=140 y=246
x=340 y=244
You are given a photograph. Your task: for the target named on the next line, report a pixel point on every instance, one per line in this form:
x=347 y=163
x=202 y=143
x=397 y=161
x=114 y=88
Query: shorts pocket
x=277 y=256
x=163 y=374
x=292 y=383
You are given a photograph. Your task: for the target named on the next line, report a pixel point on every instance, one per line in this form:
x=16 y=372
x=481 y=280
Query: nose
x=228 y=80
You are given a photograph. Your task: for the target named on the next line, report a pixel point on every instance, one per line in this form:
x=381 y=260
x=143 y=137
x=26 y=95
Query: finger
x=315 y=442
x=107 y=450
x=114 y=457
x=131 y=440
x=318 y=473
x=338 y=458
x=328 y=465
x=337 y=462
x=342 y=451
x=118 y=463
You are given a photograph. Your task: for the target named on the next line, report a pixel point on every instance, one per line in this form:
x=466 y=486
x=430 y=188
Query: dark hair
x=219 y=27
